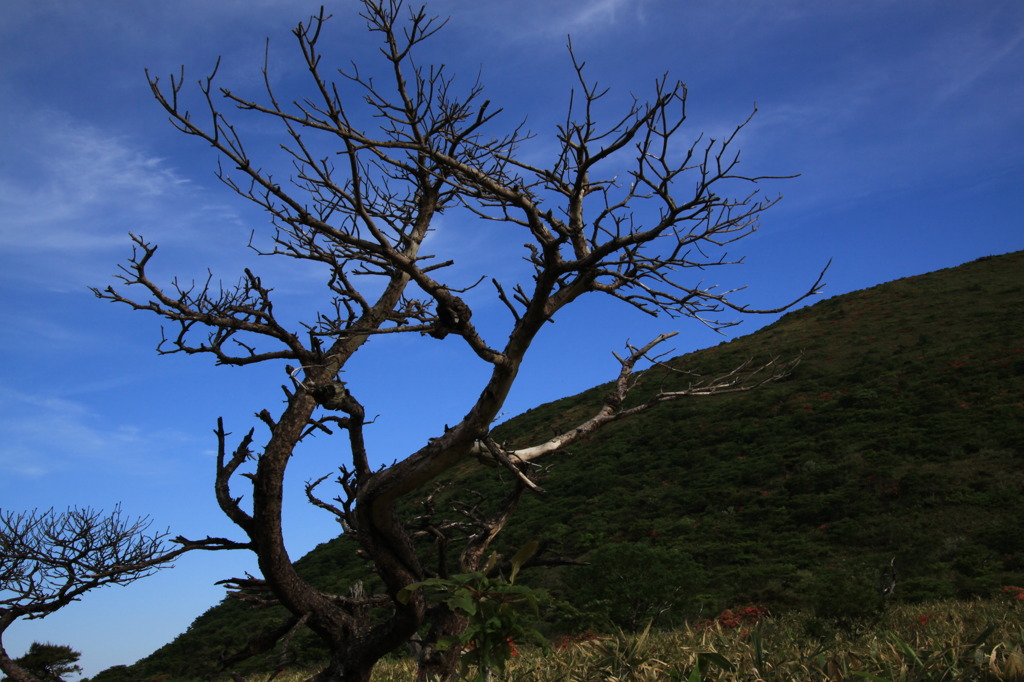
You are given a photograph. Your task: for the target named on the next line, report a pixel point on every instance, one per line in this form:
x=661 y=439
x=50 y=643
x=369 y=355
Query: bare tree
x=621 y=209
x=50 y=559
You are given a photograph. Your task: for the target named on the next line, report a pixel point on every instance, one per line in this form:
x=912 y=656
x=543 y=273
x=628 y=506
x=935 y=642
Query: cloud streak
x=71 y=192
x=69 y=183
x=50 y=434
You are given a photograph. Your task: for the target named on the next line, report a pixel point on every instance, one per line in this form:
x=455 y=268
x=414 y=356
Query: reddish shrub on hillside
x=733 y=618
x=748 y=615
x=1014 y=593
x=563 y=642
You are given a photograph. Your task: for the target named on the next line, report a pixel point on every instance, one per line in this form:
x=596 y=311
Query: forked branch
x=746 y=377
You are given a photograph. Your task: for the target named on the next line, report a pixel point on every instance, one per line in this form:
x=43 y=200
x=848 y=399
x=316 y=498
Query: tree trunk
x=434 y=664
x=340 y=670
x=12 y=670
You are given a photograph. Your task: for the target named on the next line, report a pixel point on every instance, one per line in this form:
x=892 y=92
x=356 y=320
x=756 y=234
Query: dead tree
x=620 y=209
x=50 y=559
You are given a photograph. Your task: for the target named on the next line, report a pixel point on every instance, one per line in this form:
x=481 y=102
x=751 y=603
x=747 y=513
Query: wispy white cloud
x=977 y=54
x=46 y=434
x=66 y=184
x=44 y=331
x=596 y=14
x=526 y=20
x=70 y=193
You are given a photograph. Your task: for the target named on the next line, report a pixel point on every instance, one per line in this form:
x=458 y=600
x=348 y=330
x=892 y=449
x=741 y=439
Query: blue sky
x=904 y=118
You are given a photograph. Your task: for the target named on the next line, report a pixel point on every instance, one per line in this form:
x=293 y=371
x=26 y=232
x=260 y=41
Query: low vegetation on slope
x=948 y=641
x=893 y=454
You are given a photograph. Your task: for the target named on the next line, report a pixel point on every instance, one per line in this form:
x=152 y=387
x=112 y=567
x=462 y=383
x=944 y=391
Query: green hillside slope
x=898 y=441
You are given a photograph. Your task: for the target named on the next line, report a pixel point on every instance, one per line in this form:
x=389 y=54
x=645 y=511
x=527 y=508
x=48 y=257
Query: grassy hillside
x=899 y=435
x=898 y=441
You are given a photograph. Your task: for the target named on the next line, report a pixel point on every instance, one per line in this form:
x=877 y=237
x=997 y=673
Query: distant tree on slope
x=622 y=209
x=50 y=662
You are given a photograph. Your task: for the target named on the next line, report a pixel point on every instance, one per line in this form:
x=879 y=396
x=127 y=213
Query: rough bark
x=12 y=670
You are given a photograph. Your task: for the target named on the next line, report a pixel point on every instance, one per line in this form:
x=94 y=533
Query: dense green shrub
x=628 y=584
x=847 y=597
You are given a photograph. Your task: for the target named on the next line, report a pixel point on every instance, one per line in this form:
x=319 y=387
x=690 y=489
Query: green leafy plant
x=499 y=613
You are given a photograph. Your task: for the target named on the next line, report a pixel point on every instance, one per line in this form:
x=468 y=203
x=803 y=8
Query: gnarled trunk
x=12 y=670
x=435 y=664
x=345 y=669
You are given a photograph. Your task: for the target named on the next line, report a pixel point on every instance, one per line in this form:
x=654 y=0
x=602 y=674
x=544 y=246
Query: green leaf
x=491 y=563
x=980 y=639
x=907 y=650
x=705 y=657
x=524 y=554
x=462 y=600
x=406 y=592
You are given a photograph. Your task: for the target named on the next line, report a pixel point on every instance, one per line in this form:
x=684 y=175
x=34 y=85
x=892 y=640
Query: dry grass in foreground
x=982 y=640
